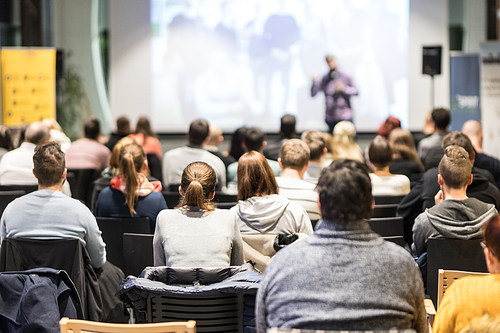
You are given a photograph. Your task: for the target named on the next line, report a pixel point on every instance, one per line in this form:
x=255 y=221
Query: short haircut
x=294 y=154
x=316 y=141
x=345 y=192
x=255 y=176
x=441 y=118
x=92 y=128
x=379 y=152
x=49 y=163
x=123 y=126
x=287 y=128
x=459 y=139
x=455 y=167
x=329 y=57
x=491 y=232
x=198 y=131
x=254 y=138
x=37 y=133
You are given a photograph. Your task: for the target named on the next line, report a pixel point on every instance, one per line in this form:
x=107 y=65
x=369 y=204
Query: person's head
x=215 y=137
x=37 y=133
x=92 y=129
x=344 y=131
x=491 y=234
x=123 y=126
x=402 y=144
x=331 y=62
x=459 y=139
x=52 y=124
x=6 y=138
x=345 y=192
x=255 y=176
x=294 y=154
x=198 y=132
x=440 y=118
x=49 y=166
x=455 y=168
x=254 y=139
x=379 y=153
x=114 y=161
x=316 y=141
x=132 y=161
x=287 y=128
x=197 y=187
x=237 y=143
x=474 y=131
x=144 y=127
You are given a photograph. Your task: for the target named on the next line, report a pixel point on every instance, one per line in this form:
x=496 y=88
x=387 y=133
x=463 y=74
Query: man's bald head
x=37 y=133
x=474 y=131
x=215 y=137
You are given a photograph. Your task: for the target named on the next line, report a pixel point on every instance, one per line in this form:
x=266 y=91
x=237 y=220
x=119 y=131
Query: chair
x=154 y=163
x=80 y=181
x=25 y=188
x=452 y=254
x=296 y=330
x=400 y=240
x=6 y=197
x=447 y=277
x=113 y=229
x=172 y=198
x=83 y=326
x=97 y=186
x=138 y=249
x=388 y=210
x=388 y=199
x=224 y=197
x=387 y=226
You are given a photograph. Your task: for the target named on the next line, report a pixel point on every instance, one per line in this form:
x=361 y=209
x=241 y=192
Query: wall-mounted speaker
x=431 y=60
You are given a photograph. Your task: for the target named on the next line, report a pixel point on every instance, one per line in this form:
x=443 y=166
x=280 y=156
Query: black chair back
x=388 y=210
x=113 y=229
x=400 y=240
x=97 y=186
x=171 y=198
x=80 y=181
x=138 y=249
x=25 y=188
x=388 y=199
x=387 y=226
x=154 y=164
x=6 y=197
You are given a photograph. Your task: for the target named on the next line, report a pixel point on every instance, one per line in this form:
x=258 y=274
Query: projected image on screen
x=249 y=62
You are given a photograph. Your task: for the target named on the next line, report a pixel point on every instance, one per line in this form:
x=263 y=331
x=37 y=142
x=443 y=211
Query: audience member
x=343 y=144
x=405 y=160
x=6 y=143
x=293 y=160
x=175 y=160
x=195 y=234
x=390 y=124
x=455 y=215
x=145 y=137
x=473 y=297
x=122 y=130
x=474 y=131
x=383 y=181
x=88 y=153
x=254 y=140
x=213 y=142
x=316 y=141
x=260 y=209
x=287 y=132
x=422 y=194
x=430 y=151
x=237 y=148
x=56 y=134
x=131 y=193
x=114 y=162
x=344 y=277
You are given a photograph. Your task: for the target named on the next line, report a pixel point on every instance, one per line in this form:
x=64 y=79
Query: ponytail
x=131 y=160
x=198 y=184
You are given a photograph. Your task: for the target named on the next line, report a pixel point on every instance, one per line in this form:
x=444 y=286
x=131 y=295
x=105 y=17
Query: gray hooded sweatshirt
x=460 y=219
x=272 y=214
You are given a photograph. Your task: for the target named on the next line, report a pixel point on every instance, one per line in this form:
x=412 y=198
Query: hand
x=339 y=86
x=439 y=197
x=314 y=76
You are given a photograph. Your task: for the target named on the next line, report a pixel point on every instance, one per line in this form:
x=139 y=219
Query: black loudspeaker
x=431 y=60
x=60 y=64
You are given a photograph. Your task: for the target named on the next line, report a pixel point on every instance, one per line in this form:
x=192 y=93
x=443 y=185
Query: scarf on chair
x=144 y=185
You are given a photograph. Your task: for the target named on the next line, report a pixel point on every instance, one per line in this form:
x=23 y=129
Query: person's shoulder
x=175 y=151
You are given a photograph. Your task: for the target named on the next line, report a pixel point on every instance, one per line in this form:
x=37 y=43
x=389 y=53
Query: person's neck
x=454 y=193
x=315 y=161
x=477 y=146
x=57 y=187
x=439 y=131
x=292 y=174
x=382 y=172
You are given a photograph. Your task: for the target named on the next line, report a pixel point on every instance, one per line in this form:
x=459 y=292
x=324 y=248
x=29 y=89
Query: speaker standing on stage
x=338 y=88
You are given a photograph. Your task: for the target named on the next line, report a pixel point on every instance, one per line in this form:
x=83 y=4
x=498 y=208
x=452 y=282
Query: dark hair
x=288 y=126
x=455 y=167
x=459 y=139
x=92 y=128
x=144 y=127
x=6 y=138
x=49 y=163
x=441 y=118
x=255 y=176
x=345 y=191
x=491 y=234
x=37 y=133
x=254 y=137
x=197 y=183
x=402 y=143
x=316 y=141
x=131 y=160
x=236 y=148
x=379 y=152
x=123 y=126
x=198 y=131
x=294 y=154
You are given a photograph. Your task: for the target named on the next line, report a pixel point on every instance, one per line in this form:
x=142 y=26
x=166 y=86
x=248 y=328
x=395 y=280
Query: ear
x=34 y=174
x=319 y=205
x=181 y=192
x=471 y=178
x=440 y=180
x=325 y=150
x=490 y=259
x=373 y=204
x=145 y=167
x=264 y=145
x=221 y=138
x=279 y=162
x=212 y=196
x=65 y=173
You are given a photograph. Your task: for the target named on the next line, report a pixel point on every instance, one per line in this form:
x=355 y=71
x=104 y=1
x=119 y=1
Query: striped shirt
x=301 y=192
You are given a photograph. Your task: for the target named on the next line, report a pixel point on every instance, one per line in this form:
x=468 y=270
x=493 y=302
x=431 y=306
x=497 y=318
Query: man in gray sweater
x=344 y=277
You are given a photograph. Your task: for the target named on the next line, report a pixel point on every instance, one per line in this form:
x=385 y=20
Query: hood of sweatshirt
x=262 y=213
x=460 y=219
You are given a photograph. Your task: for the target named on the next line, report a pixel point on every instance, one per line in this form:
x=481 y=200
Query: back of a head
x=144 y=127
x=49 y=164
x=198 y=132
x=255 y=176
x=254 y=138
x=287 y=128
x=455 y=167
x=236 y=148
x=37 y=133
x=6 y=138
x=123 y=125
x=345 y=192
x=344 y=130
x=402 y=143
x=441 y=118
x=491 y=234
x=214 y=136
x=316 y=141
x=114 y=161
x=92 y=129
x=197 y=184
x=472 y=128
x=459 y=139
x=294 y=154
x=379 y=152
x=131 y=161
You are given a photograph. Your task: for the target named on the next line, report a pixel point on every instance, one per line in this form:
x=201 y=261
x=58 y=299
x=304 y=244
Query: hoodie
x=272 y=214
x=460 y=219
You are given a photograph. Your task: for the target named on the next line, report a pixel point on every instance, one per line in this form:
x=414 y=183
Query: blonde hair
x=132 y=158
x=343 y=144
x=114 y=161
x=197 y=184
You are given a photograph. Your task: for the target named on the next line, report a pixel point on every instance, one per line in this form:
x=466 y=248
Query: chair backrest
x=80 y=181
x=171 y=198
x=388 y=210
x=446 y=279
x=388 y=199
x=295 y=330
x=138 y=249
x=452 y=254
x=6 y=197
x=400 y=240
x=25 y=188
x=113 y=229
x=83 y=326
x=224 y=197
x=154 y=163
x=387 y=226
x=97 y=186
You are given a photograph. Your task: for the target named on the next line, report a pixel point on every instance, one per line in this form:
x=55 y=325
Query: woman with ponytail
x=195 y=233
x=131 y=194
